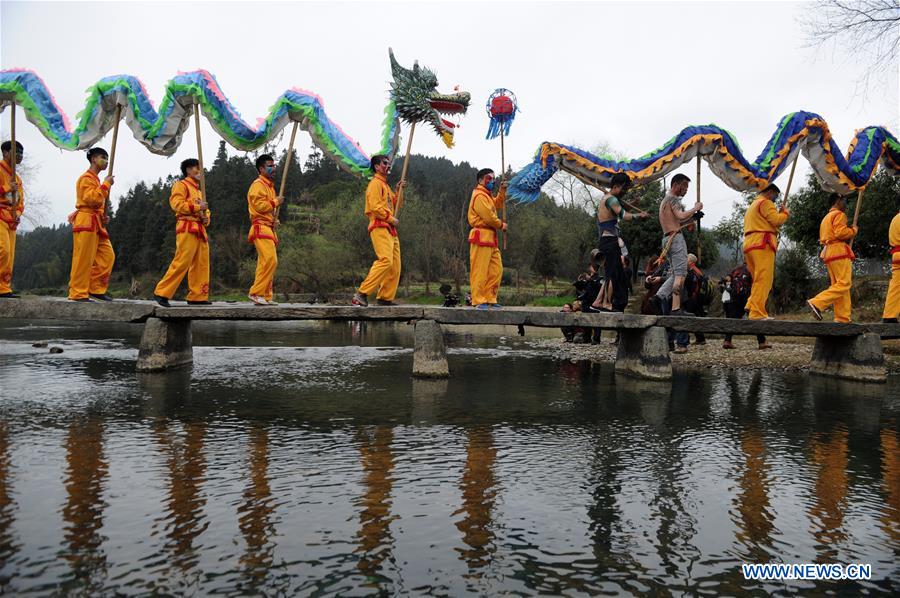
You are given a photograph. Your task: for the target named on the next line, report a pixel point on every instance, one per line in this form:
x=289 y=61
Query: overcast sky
x=627 y=74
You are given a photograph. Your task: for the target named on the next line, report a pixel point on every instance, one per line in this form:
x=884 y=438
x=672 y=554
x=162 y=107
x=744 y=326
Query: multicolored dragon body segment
x=804 y=132
x=413 y=97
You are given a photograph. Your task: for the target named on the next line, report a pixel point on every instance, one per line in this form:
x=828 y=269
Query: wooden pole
x=503 y=170
x=790 y=180
x=412 y=131
x=13 y=155
x=699 y=238
x=287 y=164
x=200 y=151
x=112 y=150
x=859 y=199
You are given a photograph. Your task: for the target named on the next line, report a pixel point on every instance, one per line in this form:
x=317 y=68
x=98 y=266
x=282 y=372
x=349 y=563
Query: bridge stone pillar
x=644 y=353
x=429 y=355
x=859 y=358
x=165 y=344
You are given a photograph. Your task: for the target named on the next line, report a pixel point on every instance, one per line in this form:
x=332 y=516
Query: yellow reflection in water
x=375 y=539
x=478 y=487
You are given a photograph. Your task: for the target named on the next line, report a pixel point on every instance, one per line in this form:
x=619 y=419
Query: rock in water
x=40 y=345
x=56 y=349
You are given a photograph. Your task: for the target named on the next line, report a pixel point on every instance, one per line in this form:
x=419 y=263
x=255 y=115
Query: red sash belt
x=475 y=237
x=257 y=233
x=95 y=225
x=383 y=224
x=847 y=255
x=766 y=240
x=8 y=215
x=189 y=224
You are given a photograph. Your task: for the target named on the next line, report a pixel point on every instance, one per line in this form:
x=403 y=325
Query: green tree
x=546 y=257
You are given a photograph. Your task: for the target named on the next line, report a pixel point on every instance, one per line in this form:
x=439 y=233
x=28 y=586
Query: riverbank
x=786 y=354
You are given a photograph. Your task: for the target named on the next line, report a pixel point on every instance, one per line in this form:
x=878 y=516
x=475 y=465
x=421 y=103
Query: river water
x=302 y=458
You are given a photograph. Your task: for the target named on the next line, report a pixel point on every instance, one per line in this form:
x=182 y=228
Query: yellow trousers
x=7 y=255
x=384 y=275
x=892 y=301
x=92 y=263
x=191 y=258
x=761 y=264
x=485 y=271
x=840 y=272
x=266 y=262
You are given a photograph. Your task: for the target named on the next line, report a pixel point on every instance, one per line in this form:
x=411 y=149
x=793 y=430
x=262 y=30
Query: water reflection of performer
x=86 y=474
x=890 y=469
x=755 y=521
x=478 y=488
x=183 y=518
x=375 y=539
x=255 y=514
x=8 y=548
x=830 y=499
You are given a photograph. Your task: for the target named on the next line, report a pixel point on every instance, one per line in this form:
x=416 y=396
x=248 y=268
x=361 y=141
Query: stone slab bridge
x=851 y=351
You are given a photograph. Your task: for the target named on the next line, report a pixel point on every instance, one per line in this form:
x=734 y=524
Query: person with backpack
x=736 y=288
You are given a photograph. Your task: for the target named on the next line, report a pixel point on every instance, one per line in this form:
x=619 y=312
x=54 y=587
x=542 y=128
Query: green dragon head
x=414 y=92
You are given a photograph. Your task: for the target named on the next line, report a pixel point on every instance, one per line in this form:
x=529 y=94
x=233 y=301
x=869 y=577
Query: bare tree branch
x=868 y=30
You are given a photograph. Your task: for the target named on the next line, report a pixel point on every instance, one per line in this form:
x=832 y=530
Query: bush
x=794 y=283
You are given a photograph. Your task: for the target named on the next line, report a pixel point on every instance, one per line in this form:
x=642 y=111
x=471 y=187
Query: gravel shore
x=785 y=354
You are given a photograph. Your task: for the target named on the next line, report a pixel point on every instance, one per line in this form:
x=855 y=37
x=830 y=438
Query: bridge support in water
x=859 y=358
x=165 y=344
x=429 y=355
x=644 y=353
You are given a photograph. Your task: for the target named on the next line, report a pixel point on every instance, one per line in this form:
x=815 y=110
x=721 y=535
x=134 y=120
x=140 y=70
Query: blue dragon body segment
x=413 y=97
x=804 y=132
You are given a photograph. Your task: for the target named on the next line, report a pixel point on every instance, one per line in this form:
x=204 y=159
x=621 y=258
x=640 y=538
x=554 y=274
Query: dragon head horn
x=398 y=71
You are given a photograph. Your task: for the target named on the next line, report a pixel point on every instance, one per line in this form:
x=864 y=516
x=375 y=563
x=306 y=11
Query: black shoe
x=199 y=302
x=103 y=297
x=163 y=302
x=9 y=295
x=385 y=302
x=889 y=320
x=677 y=312
x=83 y=300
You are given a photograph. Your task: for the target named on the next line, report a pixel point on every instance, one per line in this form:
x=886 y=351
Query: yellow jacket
x=90 y=205
x=483 y=216
x=380 y=204
x=833 y=232
x=9 y=213
x=185 y=202
x=261 y=203
x=761 y=224
x=894 y=240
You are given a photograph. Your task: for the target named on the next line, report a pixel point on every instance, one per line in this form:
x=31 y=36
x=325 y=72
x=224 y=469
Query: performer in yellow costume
x=761 y=224
x=838 y=257
x=381 y=202
x=262 y=201
x=892 y=301
x=92 y=253
x=12 y=204
x=485 y=264
x=191 y=242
